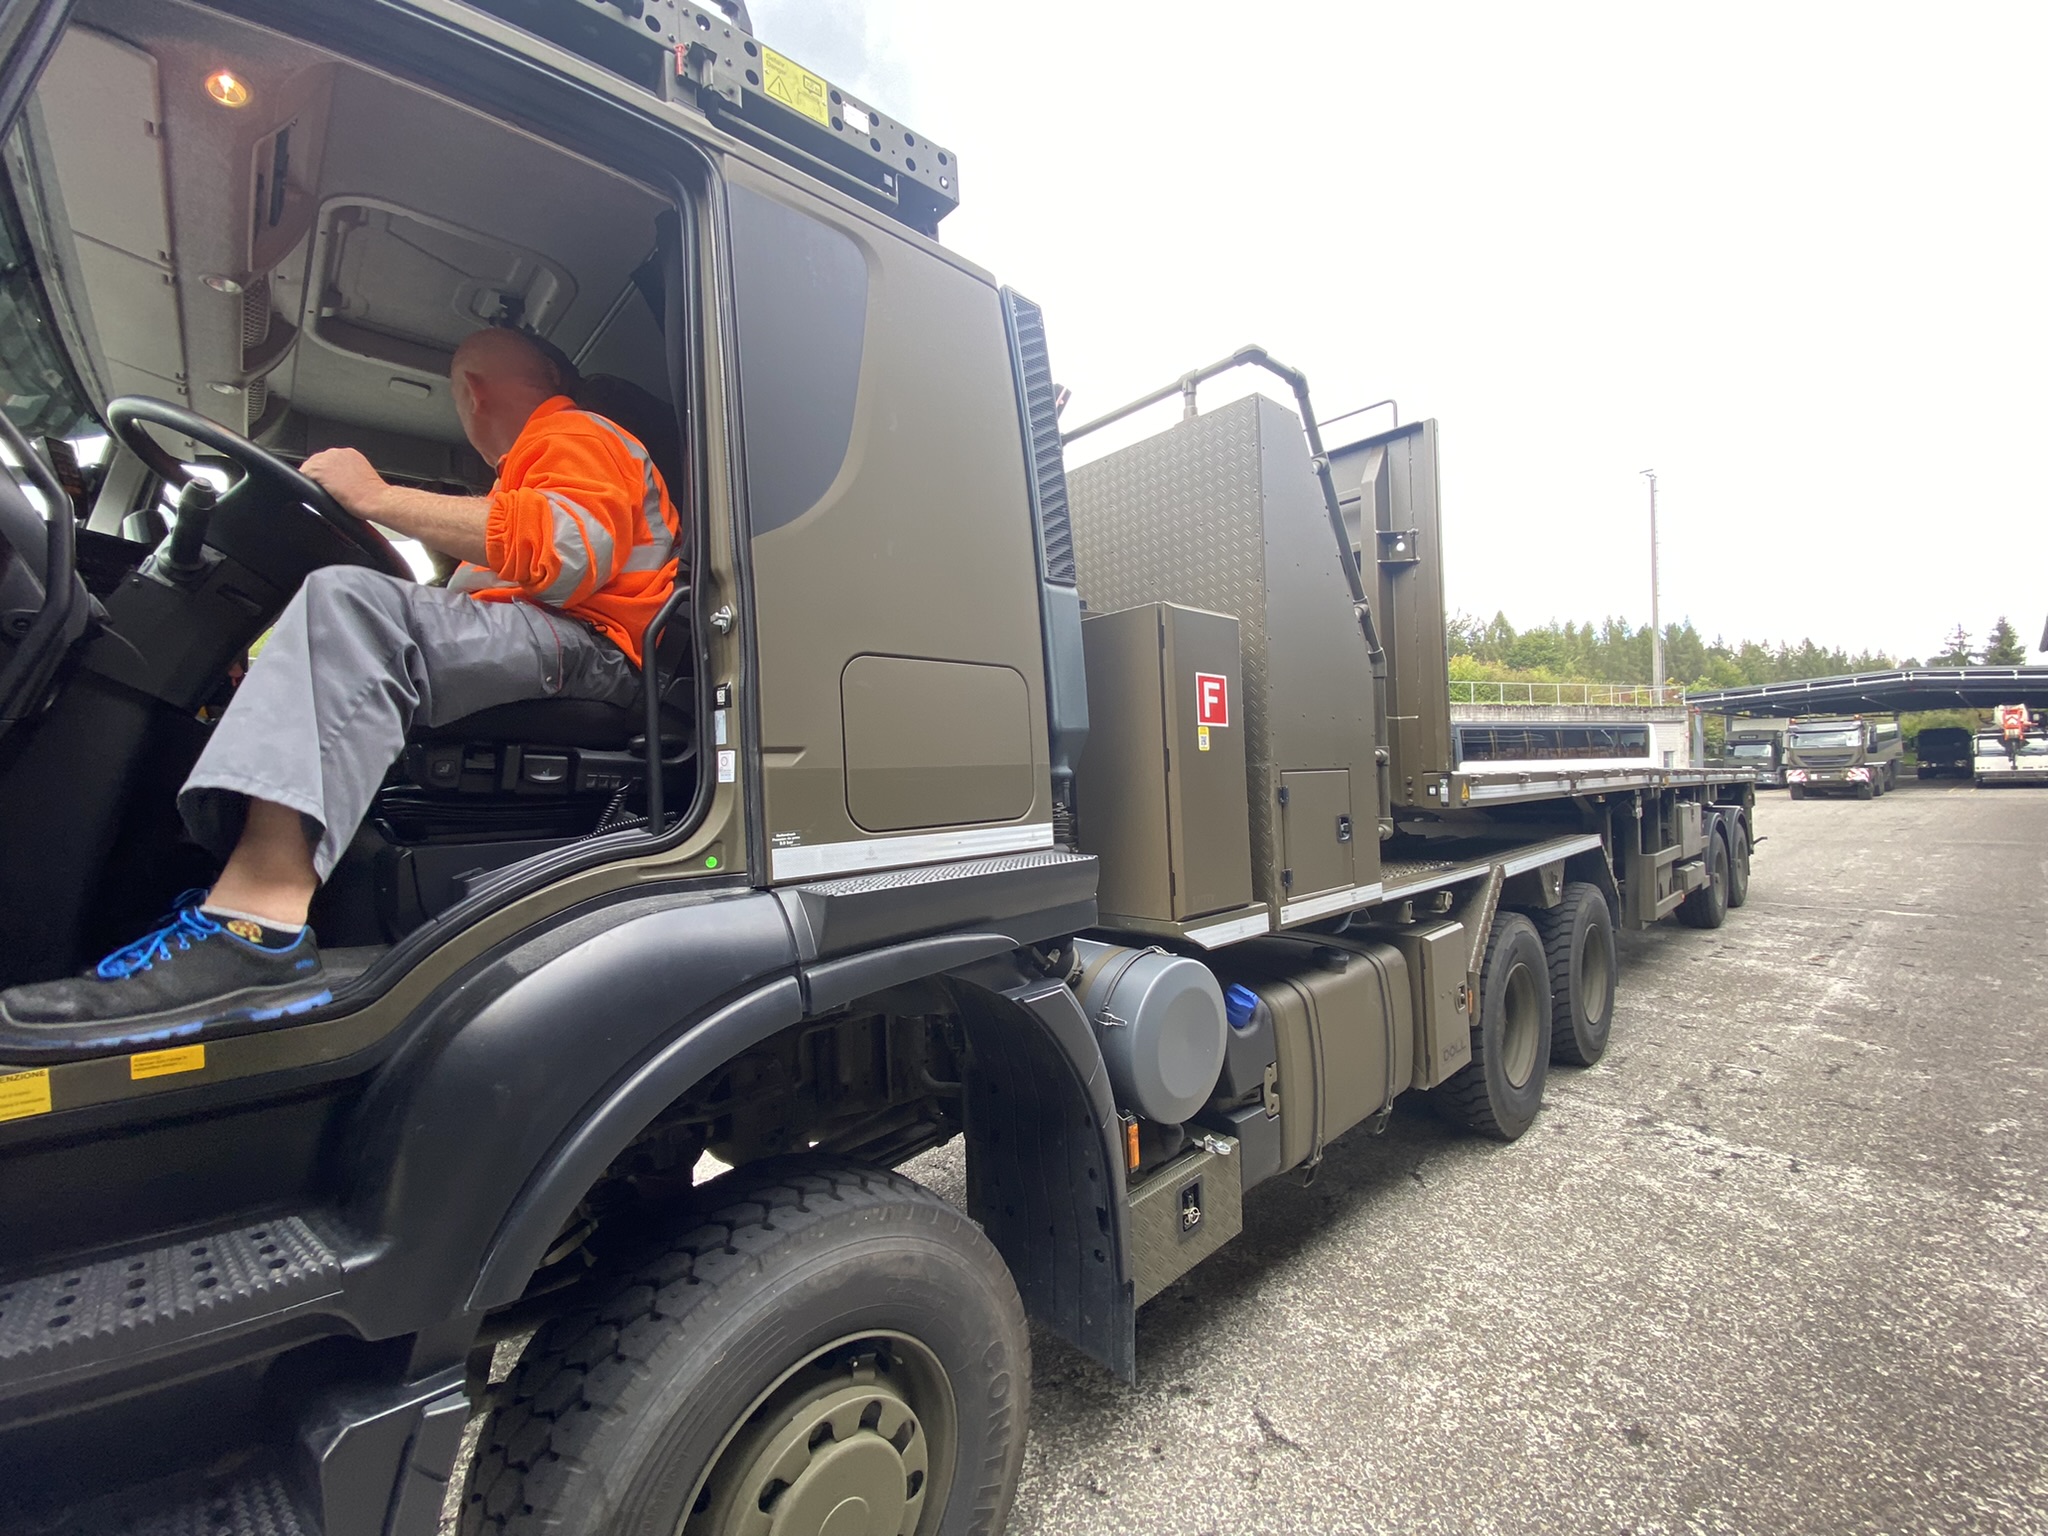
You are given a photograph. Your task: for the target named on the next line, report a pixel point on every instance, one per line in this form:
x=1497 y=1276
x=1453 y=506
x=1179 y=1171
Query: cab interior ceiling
x=368 y=225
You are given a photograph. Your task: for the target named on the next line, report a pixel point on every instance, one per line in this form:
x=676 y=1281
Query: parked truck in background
x=1851 y=756
x=1943 y=749
x=1758 y=745
x=1108 y=823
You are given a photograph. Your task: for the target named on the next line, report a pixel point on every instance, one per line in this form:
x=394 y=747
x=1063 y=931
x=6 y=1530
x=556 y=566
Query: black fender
x=1045 y=1164
x=551 y=1194
x=467 y=1140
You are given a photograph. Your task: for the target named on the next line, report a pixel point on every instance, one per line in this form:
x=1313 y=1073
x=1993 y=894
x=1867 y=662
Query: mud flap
x=1045 y=1177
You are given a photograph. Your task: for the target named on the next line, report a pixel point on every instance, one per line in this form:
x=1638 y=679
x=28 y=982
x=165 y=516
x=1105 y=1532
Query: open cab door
x=43 y=604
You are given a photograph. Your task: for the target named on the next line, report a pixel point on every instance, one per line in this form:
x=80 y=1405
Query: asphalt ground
x=1775 y=1265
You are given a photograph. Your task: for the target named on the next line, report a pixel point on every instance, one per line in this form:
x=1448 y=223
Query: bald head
x=498 y=377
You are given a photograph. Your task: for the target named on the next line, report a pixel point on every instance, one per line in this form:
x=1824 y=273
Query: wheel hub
x=1520 y=1027
x=843 y=1460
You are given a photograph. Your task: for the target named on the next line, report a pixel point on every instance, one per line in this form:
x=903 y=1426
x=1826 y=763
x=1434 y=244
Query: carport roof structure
x=1883 y=692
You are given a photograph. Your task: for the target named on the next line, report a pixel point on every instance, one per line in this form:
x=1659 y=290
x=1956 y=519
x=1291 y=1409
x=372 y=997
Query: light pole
x=1656 y=629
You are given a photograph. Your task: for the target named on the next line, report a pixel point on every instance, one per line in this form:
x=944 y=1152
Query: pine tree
x=1956 y=652
x=2002 y=646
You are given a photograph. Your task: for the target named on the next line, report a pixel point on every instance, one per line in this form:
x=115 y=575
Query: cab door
x=43 y=604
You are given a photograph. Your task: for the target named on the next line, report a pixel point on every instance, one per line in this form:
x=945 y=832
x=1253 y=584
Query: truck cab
x=1851 y=756
x=1763 y=751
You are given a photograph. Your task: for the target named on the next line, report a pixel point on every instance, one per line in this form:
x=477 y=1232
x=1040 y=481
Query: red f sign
x=1212 y=699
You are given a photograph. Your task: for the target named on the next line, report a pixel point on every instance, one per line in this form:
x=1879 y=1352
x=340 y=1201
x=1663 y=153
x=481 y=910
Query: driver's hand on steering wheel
x=348 y=477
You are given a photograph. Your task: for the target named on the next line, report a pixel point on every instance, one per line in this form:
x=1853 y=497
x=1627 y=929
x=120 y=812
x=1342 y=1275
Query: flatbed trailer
x=1107 y=823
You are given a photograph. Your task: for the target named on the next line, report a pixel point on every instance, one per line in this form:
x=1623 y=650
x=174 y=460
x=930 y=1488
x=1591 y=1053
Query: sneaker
x=194 y=961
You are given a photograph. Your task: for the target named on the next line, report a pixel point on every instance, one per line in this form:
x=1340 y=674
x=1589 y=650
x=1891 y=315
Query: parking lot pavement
x=1775 y=1265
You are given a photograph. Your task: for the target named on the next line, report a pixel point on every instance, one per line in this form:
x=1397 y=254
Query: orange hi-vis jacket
x=580 y=521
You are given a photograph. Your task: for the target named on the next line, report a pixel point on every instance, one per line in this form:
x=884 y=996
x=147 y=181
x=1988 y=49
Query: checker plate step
x=117 y=1308
x=257 y=1502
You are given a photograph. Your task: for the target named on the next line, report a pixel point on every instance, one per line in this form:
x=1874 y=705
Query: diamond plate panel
x=1178 y=518
x=1221 y=512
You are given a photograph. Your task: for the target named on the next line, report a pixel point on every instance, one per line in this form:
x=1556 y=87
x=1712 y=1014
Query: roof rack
x=707 y=55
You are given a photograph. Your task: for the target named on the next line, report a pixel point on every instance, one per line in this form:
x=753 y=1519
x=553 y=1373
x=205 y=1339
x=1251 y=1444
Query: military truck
x=1851 y=755
x=1940 y=749
x=1106 y=824
x=1758 y=745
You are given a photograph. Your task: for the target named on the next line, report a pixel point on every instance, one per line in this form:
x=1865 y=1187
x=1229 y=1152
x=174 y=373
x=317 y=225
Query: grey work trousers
x=356 y=661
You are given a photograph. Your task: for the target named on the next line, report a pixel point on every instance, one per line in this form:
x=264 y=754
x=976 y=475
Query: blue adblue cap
x=1239 y=1004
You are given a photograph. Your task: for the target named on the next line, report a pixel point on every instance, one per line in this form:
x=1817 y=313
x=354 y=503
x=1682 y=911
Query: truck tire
x=833 y=1348
x=1578 y=941
x=1738 y=868
x=1707 y=907
x=1866 y=791
x=1499 y=1091
x=1795 y=793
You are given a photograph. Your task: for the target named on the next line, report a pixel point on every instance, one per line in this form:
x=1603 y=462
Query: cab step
x=256 y=1500
x=81 y=1319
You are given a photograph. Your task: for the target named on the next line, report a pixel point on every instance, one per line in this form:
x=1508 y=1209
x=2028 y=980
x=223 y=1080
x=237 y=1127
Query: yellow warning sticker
x=25 y=1093
x=796 y=87
x=183 y=1058
x=1201 y=738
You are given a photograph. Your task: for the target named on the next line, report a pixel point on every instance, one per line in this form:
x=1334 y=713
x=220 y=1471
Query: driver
x=563 y=565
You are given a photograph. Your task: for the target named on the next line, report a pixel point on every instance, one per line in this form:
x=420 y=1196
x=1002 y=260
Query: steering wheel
x=245 y=522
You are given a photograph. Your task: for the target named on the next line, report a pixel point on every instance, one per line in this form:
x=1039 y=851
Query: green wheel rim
x=848 y=1442
x=1523 y=1024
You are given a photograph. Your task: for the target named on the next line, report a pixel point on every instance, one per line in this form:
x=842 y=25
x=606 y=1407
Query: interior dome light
x=227 y=88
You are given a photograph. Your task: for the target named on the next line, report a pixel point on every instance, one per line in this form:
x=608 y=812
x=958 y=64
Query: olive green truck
x=1106 y=821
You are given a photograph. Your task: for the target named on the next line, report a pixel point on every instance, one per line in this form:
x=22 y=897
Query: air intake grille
x=1043 y=456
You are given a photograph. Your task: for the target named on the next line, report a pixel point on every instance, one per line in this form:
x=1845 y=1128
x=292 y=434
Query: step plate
x=257 y=1503
x=140 y=1303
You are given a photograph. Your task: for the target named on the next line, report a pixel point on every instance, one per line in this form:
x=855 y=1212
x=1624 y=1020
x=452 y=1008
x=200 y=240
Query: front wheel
x=835 y=1351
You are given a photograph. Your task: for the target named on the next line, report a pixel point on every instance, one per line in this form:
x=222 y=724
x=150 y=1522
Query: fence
x=1587 y=695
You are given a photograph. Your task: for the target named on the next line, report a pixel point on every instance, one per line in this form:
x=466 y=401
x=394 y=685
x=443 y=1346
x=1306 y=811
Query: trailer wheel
x=1707 y=907
x=1738 y=868
x=1499 y=1091
x=1578 y=941
x=834 y=1349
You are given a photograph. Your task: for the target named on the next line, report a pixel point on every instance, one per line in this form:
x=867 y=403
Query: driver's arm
x=454 y=525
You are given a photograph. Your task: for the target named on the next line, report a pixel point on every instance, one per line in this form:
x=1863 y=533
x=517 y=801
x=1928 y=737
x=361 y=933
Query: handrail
x=1518 y=694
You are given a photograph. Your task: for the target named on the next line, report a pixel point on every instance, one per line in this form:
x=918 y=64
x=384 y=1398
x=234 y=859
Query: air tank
x=1162 y=1028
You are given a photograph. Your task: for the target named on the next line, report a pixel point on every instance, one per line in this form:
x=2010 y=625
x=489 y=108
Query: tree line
x=1613 y=651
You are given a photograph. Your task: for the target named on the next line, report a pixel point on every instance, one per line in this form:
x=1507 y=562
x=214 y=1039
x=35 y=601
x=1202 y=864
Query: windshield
x=1749 y=749
x=1828 y=736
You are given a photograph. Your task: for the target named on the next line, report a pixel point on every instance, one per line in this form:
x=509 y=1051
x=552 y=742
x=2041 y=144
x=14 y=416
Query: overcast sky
x=1791 y=256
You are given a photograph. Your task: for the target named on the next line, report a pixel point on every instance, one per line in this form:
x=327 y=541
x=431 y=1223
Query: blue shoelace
x=190 y=925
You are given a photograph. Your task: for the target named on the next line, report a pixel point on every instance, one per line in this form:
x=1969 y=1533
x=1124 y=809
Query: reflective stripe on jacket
x=579 y=521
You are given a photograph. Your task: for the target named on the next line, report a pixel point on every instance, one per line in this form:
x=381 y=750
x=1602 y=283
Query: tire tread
x=565 y=1390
